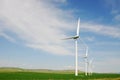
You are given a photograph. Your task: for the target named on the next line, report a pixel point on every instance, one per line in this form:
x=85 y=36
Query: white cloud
x=38 y=24
x=102 y=29
x=89 y=38
x=7 y=37
x=107 y=65
x=59 y=1
x=108 y=43
x=41 y=24
x=114 y=6
x=114 y=11
x=117 y=17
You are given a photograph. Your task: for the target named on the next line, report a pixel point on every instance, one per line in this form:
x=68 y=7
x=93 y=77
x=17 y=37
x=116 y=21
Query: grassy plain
x=38 y=74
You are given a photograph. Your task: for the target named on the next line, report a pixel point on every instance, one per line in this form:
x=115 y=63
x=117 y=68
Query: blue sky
x=31 y=33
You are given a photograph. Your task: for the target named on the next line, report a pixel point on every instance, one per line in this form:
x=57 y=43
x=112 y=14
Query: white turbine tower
x=76 y=47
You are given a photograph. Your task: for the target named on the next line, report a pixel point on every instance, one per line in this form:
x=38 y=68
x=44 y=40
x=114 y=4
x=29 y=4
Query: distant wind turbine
x=86 y=61
x=76 y=47
x=90 y=64
x=86 y=57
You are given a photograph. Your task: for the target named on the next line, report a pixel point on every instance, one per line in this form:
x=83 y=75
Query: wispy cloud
x=117 y=17
x=40 y=24
x=113 y=4
x=89 y=38
x=108 y=43
x=107 y=65
x=115 y=8
x=59 y=1
x=37 y=23
x=111 y=31
x=7 y=37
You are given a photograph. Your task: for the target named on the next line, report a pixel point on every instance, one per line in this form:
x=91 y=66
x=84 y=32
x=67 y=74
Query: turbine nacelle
x=85 y=57
x=75 y=37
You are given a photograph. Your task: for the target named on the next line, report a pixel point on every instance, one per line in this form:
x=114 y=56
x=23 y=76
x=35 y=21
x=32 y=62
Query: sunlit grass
x=38 y=74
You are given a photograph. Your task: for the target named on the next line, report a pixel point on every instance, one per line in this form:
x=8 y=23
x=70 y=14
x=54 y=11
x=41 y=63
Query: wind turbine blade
x=86 y=52
x=78 y=27
x=68 y=38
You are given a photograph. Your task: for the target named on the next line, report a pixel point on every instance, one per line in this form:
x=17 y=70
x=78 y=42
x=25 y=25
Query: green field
x=22 y=74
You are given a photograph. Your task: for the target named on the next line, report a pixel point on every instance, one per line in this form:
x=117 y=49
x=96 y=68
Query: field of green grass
x=22 y=74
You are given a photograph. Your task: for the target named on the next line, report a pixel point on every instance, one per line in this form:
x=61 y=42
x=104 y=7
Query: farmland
x=25 y=74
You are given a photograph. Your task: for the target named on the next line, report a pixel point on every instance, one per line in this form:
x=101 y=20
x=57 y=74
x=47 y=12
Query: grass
x=22 y=74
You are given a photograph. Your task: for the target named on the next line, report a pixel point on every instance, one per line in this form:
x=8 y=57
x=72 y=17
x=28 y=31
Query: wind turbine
x=76 y=47
x=90 y=64
x=85 y=57
x=86 y=61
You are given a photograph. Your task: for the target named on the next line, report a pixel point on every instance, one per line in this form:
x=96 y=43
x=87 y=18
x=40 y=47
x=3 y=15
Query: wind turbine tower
x=76 y=37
